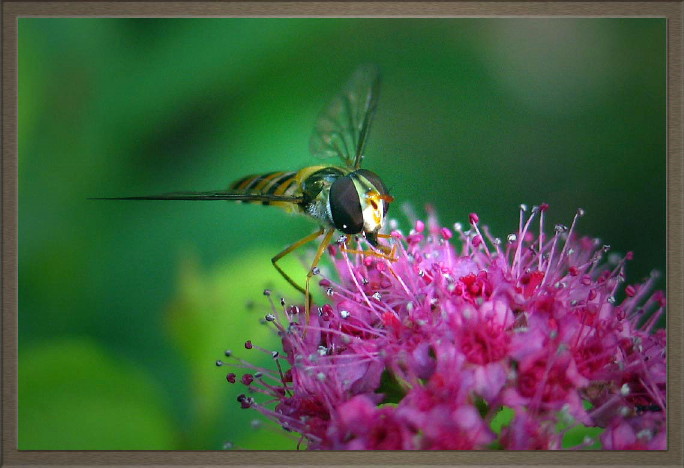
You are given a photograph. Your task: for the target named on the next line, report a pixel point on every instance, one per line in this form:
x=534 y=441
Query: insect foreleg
x=289 y=249
x=319 y=252
x=385 y=252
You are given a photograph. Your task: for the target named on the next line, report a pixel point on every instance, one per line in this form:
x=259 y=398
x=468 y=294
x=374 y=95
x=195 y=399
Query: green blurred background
x=125 y=306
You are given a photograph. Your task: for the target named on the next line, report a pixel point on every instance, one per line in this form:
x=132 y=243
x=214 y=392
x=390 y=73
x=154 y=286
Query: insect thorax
x=315 y=186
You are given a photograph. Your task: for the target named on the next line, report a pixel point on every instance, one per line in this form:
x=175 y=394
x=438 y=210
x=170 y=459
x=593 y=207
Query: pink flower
x=425 y=352
x=364 y=426
x=646 y=432
x=527 y=432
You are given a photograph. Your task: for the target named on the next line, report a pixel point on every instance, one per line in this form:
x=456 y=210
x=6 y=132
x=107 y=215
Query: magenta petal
x=489 y=380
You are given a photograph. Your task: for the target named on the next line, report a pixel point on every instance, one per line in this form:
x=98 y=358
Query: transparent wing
x=217 y=195
x=342 y=127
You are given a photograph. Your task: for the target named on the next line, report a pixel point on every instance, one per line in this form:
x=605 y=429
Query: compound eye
x=374 y=179
x=345 y=206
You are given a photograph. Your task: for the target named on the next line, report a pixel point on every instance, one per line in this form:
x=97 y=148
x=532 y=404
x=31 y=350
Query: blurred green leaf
x=73 y=395
x=208 y=315
x=503 y=418
x=580 y=435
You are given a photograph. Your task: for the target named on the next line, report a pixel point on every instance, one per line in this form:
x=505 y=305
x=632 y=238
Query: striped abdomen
x=273 y=183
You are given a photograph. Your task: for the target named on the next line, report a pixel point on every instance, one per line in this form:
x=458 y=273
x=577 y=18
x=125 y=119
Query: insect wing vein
x=342 y=127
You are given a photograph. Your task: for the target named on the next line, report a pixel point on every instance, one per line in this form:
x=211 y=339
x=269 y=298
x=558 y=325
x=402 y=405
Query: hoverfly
x=342 y=197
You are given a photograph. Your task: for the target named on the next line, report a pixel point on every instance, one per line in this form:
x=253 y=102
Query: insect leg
x=289 y=249
x=387 y=252
x=319 y=252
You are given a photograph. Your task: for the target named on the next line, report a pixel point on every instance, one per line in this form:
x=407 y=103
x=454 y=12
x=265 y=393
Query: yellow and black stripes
x=272 y=183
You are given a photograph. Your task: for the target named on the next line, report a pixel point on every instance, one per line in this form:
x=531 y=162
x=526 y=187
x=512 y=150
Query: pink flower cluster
x=425 y=352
